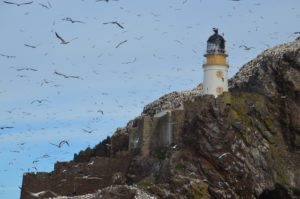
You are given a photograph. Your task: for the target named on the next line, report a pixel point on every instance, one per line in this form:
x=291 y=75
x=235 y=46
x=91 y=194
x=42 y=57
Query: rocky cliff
x=243 y=144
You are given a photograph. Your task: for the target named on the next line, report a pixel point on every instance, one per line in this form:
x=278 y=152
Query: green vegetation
x=146 y=182
x=161 y=153
x=269 y=121
x=279 y=166
x=239 y=114
x=199 y=191
x=180 y=167
x=296 y=191
x=240 y=109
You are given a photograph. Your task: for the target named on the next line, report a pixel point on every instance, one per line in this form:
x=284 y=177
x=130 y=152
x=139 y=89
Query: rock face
x=243 y=144
x=118 y=191
x=171 y=101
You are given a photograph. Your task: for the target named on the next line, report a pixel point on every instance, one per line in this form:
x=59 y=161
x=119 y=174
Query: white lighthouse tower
x=215 y=80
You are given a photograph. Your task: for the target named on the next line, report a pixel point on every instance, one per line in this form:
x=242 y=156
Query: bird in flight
x=130 y=62
x=100 y=111
x=14 y=151
x=71 y=20
x=62 y=41
x=139 y=38
x=105 y=0
x=119 y=44
x=46 y=6
x=114 y=22
x=179 y=42
x=88 y=131
x=6 y=127
x=31 y=46
x=61 y=143
x=7 y=56
x=246 y=47
x=66 y=76
x=38 y=101
x=40 y=194
x=31 y=69
x=18 y=4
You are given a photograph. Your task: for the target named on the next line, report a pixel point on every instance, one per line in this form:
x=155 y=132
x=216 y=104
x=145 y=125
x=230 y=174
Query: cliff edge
x=243 y=144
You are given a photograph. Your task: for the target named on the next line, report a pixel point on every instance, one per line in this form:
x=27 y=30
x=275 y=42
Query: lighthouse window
x=220 y=74
x=211 y=47
x=219 y=90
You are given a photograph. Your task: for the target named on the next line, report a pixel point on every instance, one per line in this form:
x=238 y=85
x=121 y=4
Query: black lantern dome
x=215 y=43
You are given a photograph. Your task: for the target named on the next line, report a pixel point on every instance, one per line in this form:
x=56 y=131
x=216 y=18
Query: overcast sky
x=161 y=50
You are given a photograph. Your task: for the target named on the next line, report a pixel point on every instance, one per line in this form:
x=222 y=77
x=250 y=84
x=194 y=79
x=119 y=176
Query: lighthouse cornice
x=208 y=54
x=208 y=65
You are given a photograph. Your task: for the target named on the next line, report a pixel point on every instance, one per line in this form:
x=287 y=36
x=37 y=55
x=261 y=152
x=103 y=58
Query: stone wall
x=71 y=178
x=150 y=133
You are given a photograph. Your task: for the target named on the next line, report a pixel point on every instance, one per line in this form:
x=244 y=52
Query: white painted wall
x=211 y=81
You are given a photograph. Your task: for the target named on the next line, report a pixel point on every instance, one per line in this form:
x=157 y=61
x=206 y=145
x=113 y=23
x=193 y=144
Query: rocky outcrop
x=275 y=74
x=243 y=144
x=173 y=100
x=117 y=191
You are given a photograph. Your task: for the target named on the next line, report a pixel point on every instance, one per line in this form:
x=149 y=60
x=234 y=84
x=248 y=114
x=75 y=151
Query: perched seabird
x=89 y=178
x=35 y=169
x=223 y=155
x=90 y=163
x=41 y=193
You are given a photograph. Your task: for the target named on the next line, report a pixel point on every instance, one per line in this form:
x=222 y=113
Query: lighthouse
x=215 y=67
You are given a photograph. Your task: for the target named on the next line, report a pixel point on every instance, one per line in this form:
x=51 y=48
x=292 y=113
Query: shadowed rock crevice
x=279 y=192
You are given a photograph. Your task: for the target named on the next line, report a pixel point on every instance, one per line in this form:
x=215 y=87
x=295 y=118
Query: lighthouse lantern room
x=215 y=80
